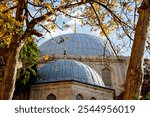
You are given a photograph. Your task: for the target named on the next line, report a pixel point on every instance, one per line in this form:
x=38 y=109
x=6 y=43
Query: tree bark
x=134 y=75
x=10 y=72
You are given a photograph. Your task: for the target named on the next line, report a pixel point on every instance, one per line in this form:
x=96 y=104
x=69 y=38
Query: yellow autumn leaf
x=53 y=26
x=46 y=57
x=129 y=8
x=49 y=7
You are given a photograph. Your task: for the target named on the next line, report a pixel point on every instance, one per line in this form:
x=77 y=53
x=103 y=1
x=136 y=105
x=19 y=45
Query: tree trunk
x=135 y=69
x=10 y=72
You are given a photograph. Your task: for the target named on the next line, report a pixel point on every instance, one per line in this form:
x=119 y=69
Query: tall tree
x=135 y=69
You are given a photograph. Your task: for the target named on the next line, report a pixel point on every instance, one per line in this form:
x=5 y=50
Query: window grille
x=106 y=76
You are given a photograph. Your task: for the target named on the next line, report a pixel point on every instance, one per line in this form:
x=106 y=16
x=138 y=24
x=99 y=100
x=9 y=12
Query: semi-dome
x=75 y=44
x=68 y=70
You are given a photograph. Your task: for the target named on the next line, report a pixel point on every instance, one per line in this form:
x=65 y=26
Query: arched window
x=51 y=97
x=106 y=76
x=79 y=97
x=92 y=98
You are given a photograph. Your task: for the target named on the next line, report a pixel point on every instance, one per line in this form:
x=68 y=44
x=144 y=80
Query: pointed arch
x=106 y=76
x=79 y=97
x=51 y=97
x=92 y=98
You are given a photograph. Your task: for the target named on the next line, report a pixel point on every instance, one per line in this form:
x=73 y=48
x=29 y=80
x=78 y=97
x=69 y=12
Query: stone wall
x=68 y=90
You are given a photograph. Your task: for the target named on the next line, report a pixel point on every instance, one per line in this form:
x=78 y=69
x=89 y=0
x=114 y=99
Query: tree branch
x=20 y=8
x=11 y=8
x=104 y=31
x=29 y=31
x=43 y=17
x=111 y=12
x=36 y=33
x=70 y=15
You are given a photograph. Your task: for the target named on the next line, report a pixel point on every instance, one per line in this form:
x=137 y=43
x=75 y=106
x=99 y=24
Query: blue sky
x=86 y=30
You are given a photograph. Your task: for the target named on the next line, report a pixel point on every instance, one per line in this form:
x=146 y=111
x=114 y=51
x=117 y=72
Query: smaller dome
x=67 y=70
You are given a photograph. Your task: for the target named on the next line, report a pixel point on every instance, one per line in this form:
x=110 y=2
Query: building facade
x=78 y=66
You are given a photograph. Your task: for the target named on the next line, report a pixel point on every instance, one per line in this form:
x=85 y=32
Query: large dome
x=67 y=70
x=75 y=44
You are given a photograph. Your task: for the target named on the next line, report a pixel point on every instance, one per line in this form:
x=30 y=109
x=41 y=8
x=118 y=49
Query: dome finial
x=75 y=27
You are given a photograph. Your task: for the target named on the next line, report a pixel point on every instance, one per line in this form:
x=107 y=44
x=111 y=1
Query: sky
x=79 y=29
x=84 y=29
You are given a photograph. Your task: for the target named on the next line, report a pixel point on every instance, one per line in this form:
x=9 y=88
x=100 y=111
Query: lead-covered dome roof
x=75 y=44
x=68 y=70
